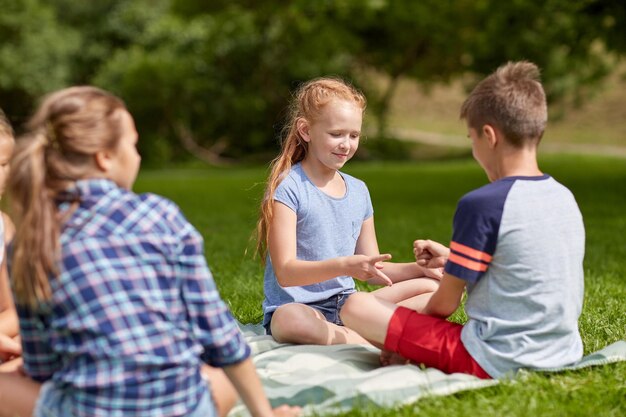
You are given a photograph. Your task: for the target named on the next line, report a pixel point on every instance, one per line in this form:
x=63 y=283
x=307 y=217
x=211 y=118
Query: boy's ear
x=302 y=126
x=491 y=134
x=103 y=160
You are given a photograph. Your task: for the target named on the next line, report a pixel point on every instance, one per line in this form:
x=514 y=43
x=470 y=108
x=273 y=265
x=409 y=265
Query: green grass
x=417 y=200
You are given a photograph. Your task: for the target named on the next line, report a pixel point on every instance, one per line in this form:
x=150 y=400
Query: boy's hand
x=368 y=268
x=434 y=273
x=430 y=254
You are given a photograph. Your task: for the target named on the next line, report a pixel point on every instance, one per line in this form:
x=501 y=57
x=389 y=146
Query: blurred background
x=209 y=80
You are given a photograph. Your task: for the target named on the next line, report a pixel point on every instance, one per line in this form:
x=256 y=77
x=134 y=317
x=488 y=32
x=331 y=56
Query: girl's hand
x=286 y=411
x=14 y=366
x=9 y=348
x=365 y=268
x=430 y=254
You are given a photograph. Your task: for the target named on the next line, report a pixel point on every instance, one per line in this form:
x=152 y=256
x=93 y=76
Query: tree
x=223 y=78
x=35 y=55
x=554 y=34
x=213 y=78
x=432 y=41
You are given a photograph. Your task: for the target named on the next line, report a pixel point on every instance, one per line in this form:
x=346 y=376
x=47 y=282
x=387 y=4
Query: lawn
x=417 y=200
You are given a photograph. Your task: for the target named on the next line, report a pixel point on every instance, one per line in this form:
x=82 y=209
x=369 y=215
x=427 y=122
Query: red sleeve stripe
x=466 y=263
x=472 y=253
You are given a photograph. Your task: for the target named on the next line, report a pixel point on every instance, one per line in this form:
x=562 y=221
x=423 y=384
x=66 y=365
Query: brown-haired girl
x=117 y=307
x=317 y=224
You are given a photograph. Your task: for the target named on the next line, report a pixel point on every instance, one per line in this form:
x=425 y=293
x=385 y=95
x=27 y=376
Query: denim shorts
x=329 y=308
x=53 y=402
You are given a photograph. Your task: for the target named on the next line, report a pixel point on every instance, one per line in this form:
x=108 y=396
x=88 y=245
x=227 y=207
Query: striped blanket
x=332 y=379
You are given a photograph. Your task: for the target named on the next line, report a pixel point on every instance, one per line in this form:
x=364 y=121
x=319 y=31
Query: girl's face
x=6 y=150
x=333 y=137
x=125 y=158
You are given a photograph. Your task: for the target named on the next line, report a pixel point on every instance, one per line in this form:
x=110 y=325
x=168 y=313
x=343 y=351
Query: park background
x=208 y=83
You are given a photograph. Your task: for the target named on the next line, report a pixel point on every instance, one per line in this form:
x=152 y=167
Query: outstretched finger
x=380 y=258
x=387 y=281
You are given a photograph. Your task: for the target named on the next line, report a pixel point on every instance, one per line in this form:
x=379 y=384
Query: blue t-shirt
x=326 y=228
x=519 y=243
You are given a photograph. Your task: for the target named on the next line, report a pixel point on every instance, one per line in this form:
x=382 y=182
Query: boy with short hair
x=517 y=245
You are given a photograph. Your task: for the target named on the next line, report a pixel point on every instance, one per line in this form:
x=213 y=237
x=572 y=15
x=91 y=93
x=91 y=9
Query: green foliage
x=35 y=54
x=225 y=76
x=554 y=34
x=213 y=78
x=105 y=26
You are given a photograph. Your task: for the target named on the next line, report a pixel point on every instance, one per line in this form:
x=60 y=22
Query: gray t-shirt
x=519 y=243
x=326 y=227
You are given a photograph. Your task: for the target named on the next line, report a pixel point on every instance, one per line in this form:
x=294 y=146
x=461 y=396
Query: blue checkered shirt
x=134 y=309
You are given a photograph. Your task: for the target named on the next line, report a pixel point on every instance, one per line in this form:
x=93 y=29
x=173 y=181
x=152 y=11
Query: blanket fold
x=333 y=379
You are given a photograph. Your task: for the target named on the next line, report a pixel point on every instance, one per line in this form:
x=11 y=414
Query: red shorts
x=431 y=341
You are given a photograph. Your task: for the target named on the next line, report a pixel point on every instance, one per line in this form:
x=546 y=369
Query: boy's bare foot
x=287 y=411
x=388 y=357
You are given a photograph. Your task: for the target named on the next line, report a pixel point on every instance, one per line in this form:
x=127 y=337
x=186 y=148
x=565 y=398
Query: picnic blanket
x=332 y=379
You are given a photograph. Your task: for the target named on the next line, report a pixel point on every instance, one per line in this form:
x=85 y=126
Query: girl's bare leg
x=299 y=323
x=413 y=294
x=18 y=395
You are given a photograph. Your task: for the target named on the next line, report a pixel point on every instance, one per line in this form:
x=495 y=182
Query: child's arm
x=291 y=271
x=244 y=378
x=215 y=328
x=6 y=298
x=447 y=298
x=8 y=323
x=9 y=328
x=397 y=272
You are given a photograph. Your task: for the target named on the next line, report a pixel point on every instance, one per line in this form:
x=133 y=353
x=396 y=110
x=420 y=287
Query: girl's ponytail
x=35 y=246
x=66 y=132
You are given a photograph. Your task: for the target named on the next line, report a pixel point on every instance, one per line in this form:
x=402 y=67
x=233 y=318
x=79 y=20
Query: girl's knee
x=289 y=324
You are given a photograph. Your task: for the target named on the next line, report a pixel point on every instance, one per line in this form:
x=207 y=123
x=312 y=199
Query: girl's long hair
x=308 y=101
x=63 y=136
x=5 y=127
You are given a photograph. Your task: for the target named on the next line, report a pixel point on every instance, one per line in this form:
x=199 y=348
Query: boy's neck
x=513 y=162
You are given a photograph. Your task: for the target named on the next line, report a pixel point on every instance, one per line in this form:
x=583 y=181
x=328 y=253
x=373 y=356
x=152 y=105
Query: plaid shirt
x=134 y=309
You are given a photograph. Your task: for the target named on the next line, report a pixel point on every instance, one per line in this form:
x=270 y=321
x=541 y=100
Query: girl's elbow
x=283 y=283
x=281 y=278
